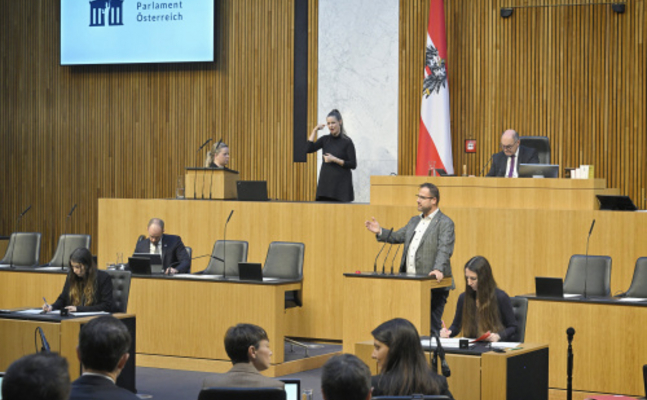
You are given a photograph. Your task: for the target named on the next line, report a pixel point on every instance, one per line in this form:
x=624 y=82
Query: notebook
x=549 y=287
x=252 y=190
x=250 y=272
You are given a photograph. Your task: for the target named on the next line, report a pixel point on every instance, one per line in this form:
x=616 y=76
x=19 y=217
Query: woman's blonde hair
x=215 y=150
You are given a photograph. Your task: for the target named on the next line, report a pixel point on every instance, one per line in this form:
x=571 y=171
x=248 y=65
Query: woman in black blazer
x=86 y=288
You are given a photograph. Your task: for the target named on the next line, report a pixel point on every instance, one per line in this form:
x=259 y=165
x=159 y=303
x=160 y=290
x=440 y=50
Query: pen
x=46 y=303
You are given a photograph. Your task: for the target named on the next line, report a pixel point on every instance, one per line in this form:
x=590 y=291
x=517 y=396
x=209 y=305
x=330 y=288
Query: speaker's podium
x=370 y=299
x=210 y=183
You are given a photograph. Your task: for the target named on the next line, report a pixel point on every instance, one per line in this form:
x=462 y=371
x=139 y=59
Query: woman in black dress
x=403 y=368
x=335 y=178
x=483 y=307
x=86 y=288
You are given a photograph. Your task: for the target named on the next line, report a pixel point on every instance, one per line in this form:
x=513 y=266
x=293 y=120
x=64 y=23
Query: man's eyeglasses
x=424 y=197
x=510 y=146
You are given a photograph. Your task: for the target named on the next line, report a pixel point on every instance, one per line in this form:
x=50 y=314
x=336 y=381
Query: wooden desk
x=524 y=193
x=373 y=299
x=182 y=320
x=608 y=346
x=62 y=334
x=204 y=182
x=516 y=374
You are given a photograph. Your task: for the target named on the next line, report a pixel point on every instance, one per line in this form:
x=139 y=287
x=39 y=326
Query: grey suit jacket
x=241 y=375
x=436 y=246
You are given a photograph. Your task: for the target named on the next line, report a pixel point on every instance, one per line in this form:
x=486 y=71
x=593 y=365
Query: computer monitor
x=538 y=170
x=292 y=389
x=616 y=203
x=252 y=190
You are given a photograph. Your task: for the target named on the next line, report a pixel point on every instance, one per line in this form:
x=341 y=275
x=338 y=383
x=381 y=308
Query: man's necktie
x=511 y=166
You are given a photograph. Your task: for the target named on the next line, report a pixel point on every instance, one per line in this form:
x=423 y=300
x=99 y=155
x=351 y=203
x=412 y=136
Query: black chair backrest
x=69 y=243
x=597 y=272
x=25 y=247
x=242 y=394
x=539 y=143
x=520 y=308
x=638 y=287
x=120 y=289
x=236 y=252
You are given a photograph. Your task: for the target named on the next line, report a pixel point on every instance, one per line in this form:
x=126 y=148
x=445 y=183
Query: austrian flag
x=435 y=142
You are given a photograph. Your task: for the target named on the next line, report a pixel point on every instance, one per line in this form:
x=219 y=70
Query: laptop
x=292 y=389
x=144 y=266
x=549 y=287
x=252 y=190
x=250 y=272
x=616 y=203
x=540 y=170
x=155 y=259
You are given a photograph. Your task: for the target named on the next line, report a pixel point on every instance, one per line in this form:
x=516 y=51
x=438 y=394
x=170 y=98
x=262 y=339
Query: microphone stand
x=395 y=255
x=386 y=257
x=569 y=365
x=486 y=164
x=65 y=237
x=224 y=250
x=13 y=245
x=380 y=252
x=586 y=258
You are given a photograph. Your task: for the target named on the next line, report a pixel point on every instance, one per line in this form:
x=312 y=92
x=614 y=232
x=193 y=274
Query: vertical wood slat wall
x=75 y=134
x=573 y=73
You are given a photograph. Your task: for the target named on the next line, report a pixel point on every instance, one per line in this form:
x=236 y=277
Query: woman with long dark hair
x=86 y=288
x=335 y=177
x=483 y=307
x=401 y=362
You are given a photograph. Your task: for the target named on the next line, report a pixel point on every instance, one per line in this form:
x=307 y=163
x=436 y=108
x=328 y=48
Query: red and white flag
x=435 y=142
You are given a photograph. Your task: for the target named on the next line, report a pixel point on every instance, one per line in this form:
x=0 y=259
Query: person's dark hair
x=345 y=377
x=102 y=343
x=406 y=371
x=488 y=307
x=40 y=376
x=156 y=221
x=238 y=339
x=433 y=190
x=337 y=115
x=82 y=289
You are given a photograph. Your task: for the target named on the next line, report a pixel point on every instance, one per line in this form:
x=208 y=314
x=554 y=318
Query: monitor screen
x=292 y=389
x=538 y=170
x=129 y=31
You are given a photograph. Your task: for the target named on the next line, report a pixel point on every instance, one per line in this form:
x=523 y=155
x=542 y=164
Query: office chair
x=638 y=287
x=597 y=273
x=69 y=243
x=520 y=308
x=23 y=250
x=236 y=252
x=539 y=143
x=285 y=261
x=120 y=289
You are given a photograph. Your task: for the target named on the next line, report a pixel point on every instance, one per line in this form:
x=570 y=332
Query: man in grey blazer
x=248 y=348
x=428 y=245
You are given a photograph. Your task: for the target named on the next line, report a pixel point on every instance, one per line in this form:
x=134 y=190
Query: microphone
x=386 y=257
x=395 y=255
x=204 y=144
x=380 y=252
x=25 y=212
x=486 y=164
x=13 y=245
x=569 y=363
x=586 y=258
x=224 y=250
x=65 y=237
x=43 y=340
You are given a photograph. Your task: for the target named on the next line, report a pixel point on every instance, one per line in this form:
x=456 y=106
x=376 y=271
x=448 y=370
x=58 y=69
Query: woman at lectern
x=403 y=369
x=483 y=307
x=335 y=177
x=86 y=288
x=218 y=156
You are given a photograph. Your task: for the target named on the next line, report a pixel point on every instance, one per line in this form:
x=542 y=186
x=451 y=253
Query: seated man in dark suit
x=103 y=351
x=248 y=347
x=345 y=377
x=175 y=258
x=506 y=162
x=40 y=376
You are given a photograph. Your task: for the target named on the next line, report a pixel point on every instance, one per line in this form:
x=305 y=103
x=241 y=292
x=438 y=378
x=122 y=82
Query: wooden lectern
x=210 y=184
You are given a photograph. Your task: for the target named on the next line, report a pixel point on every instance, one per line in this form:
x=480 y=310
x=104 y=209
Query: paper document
x=33 y=311
x=631 y=299
x=191 y=276
x=448 y=343
x=270 y=279
x=89 y=313
x=571 y=295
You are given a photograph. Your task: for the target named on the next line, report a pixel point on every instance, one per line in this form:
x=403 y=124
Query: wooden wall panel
x=76 y=134
x=573 y=73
